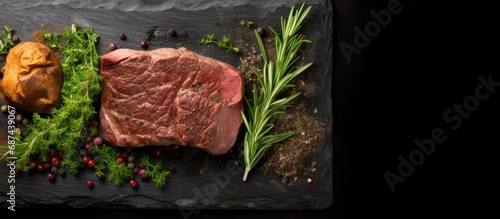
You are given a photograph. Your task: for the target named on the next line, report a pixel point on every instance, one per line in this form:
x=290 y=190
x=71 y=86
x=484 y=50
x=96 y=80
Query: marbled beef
x=169 y=96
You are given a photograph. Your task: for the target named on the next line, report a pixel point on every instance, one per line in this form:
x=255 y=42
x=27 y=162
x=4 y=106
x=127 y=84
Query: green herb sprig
x=247 y=23
x=155 y=172
x=6 y=41
x=224 y=43
x=62 y=129
x=119 y=173
x=276 y=78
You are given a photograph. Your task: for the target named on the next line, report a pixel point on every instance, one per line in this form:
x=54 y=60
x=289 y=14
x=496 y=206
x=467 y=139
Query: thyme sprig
x=155 y=172
x=276 y=78
x=247 y=23
x=224 y=43
x=119 y=173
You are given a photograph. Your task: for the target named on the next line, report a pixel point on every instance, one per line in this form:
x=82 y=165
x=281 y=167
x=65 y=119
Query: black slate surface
x=220 y=186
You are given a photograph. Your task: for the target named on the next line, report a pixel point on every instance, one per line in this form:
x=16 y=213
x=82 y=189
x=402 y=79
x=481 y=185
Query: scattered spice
x=61 y=171
x=25 y=121
x=131 y=158
x=144 y=44
x=91 y=163
x=122 y=36
x=19 y=117
x=157 y=152
x=16 y=39
x=90 y=183
x=141 y=173
x=171 y=32
x=261 y=31
x=171 y=168
x=133 y=183
x=51 y=176
x=55 y=161
x=85 y=159
x=4 y=108
x=112 y=46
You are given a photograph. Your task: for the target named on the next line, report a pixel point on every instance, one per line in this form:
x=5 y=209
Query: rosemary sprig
x=275 y=79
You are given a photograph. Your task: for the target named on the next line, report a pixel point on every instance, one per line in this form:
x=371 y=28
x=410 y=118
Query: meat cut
x=169 y=96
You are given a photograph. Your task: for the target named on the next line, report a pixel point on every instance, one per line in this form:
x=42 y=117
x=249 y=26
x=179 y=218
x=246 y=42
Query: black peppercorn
x=171 y=168
x=122 y=36
x=172 y=33
x=16 y=39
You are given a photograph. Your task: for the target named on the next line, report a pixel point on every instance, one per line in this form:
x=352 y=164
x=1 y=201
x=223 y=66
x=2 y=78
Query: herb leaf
x=119 y=173
x=6 y=41
x=276 y=77
x=246 y=23
x=224 y=43
x=156 y=172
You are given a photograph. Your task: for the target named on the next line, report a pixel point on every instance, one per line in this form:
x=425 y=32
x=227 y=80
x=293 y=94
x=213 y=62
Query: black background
x=394 y=91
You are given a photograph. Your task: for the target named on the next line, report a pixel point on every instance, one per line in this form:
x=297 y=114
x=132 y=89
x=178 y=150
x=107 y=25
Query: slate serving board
x=219 y=186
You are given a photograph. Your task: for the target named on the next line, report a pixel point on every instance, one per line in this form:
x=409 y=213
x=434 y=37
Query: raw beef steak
x=169 y=96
